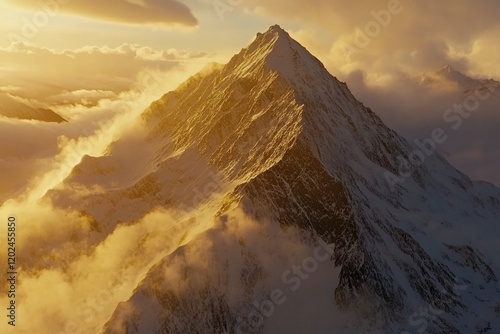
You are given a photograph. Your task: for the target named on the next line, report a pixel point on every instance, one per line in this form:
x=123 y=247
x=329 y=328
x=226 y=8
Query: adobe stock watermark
x=224 y=6
x=372 y=29
x=454 y=117
x=31 y=26
x=293 y=278
x=420 y=319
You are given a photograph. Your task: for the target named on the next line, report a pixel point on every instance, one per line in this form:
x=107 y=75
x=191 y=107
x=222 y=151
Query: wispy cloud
x=91 y=72
x=415 y=36
x=158 y=12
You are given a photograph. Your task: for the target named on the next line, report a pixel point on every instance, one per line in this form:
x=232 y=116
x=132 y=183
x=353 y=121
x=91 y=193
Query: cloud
x=414 y=110
x=88 y=276
x=419 y=35
x=45 y=153
x=144 y=12
x=86 y=267
x=92 y=272
x=86 y=75
x=99 y=90
x=86 y=97
x=242 y=260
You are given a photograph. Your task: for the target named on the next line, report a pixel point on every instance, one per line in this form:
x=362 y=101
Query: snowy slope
x=274 y=135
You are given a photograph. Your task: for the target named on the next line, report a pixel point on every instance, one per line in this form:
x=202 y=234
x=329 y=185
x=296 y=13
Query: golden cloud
x=155 y=12
x=86 y=75
x=390 y=37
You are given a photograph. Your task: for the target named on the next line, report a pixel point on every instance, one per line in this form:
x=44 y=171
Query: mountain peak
x=274 y=39
x=276 y=29
x=450 y=74
x=447 y=69
x=276 y=50
x=464 y=81
x=273 y=32
x=449 y=78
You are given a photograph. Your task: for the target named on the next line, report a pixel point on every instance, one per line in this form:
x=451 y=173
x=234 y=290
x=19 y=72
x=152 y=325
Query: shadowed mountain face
x=11 y=108
x=289 y=146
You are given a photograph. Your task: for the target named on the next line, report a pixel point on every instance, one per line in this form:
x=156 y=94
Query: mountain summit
x=276 y=50
x=448 y=75
x=288 y=144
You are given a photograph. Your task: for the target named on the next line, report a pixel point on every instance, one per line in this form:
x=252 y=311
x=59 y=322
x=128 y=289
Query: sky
x=77 y=57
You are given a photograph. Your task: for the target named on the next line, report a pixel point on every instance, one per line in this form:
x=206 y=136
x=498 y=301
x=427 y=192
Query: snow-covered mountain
x=11 y=108
x=449 y=76
x=283 y=158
